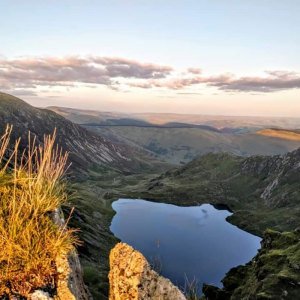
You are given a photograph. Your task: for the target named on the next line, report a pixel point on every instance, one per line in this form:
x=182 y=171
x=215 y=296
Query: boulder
x=131 y=278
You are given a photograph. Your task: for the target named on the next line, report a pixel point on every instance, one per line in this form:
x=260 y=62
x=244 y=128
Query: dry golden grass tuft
x=29 y=191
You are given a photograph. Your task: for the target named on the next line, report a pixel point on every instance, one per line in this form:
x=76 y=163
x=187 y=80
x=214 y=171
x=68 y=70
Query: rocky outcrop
x=69 y=278
x=40 y=295
x=131 y=278
x=70 y=285
x=275 y=171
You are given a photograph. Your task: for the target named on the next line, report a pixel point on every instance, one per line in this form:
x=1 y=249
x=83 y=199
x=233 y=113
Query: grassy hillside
x=86 y=148
x=181 y=145
x=274 y=273
x=292 y=135
x=263 y=191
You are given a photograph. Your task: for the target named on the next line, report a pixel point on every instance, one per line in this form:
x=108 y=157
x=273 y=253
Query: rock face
x=40 y=295
x=131 y=278
x=69 y=280
x=70 y=285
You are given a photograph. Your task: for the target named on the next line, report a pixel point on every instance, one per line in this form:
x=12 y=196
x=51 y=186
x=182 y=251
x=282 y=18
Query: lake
x=196 y=241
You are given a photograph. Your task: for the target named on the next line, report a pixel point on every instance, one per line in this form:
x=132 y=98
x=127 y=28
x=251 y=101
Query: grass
x=31 y=187
x=191 y=288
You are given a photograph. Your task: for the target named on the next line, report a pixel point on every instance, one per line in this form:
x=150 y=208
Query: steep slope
x=86 y=148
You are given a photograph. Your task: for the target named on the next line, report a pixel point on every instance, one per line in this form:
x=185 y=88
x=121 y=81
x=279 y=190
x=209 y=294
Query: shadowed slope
x=86 y=148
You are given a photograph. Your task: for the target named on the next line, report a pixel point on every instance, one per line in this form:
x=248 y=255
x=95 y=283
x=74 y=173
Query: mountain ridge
x=180 y=140
x=86 y=148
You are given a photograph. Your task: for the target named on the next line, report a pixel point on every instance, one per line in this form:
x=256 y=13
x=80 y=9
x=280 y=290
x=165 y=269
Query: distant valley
x=176 y=139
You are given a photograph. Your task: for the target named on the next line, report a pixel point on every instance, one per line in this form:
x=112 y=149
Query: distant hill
x=291 y=135
x=177 y=145
x=226 y=123
x=176 y=138
x=86 y=148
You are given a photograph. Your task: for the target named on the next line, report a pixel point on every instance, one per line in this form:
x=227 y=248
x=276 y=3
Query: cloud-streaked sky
x=207 y=57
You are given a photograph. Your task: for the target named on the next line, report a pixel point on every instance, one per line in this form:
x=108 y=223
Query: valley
x=178 y=139
x=181 y=145
x=262 y=191
x=149 y=150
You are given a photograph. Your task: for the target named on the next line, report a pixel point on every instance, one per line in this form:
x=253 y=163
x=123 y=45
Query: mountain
x=177 y=145
x=221 y=122
x=180 y=142
x=86 y=148
x=262 y=191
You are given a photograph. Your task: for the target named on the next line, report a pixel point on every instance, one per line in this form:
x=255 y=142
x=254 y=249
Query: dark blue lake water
x=196 y=241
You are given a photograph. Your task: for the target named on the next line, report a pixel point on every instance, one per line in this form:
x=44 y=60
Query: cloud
x=191 y=94
x=194 y=70
x=171 y=97
x=21 y=75
x=142 y=85
x=274 y=81
x=121 y=67
x=180 y=83
x=30 y=72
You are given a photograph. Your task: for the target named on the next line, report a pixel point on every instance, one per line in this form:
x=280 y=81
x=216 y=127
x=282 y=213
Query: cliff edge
x=131 y=278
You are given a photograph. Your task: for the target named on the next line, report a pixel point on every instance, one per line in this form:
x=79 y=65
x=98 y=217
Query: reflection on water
x=196 y=241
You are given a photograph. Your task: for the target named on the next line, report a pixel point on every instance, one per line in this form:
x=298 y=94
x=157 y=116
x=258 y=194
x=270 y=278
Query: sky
x=215 y=57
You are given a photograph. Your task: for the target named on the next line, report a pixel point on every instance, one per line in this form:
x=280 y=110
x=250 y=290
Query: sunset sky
x=206 y=57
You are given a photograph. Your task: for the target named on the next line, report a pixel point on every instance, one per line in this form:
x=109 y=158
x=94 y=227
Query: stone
x=40 y=295
x=70 y=285
x=131 y=278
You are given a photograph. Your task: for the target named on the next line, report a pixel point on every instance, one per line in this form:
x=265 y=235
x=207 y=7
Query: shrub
x=31 y=187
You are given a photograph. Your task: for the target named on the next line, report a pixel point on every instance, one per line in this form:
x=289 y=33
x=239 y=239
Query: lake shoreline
x=186 y=227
